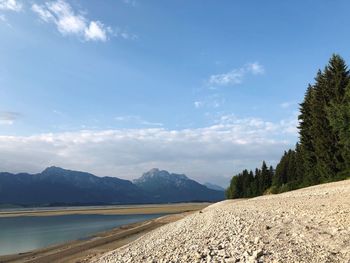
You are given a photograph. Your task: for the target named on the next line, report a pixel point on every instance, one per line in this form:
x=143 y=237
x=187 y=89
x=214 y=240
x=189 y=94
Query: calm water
x=25 y=233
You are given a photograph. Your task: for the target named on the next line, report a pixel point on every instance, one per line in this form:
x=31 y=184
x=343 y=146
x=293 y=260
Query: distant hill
x=168 y=187
x=214 y=187
x=57 y=186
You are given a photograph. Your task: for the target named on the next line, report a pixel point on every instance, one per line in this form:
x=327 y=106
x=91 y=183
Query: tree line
x=323 y=151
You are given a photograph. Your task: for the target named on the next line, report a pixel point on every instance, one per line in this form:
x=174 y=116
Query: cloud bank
x=212 y=153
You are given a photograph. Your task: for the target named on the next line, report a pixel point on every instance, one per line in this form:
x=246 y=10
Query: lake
x=25 y=233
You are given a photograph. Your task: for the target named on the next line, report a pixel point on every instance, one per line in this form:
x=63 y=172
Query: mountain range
x=58 y=186
x=214 y=186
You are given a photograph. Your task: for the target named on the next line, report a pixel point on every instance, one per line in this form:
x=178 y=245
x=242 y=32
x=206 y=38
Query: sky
x=117 y=87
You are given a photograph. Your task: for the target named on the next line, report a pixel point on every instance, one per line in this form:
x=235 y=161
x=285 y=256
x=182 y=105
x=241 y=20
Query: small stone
x=231 y=260
x=198 y=255
x=257 y=253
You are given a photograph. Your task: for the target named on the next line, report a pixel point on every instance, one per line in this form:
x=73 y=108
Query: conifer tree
x=300 y=165
x=338 y=111
x=339 y=115
x=280 y=177
x=264 y=177
x=329 y=90
x=307 y=148
x=258 y=181
x=270 y=176
x=252 y=185
x=323 y=152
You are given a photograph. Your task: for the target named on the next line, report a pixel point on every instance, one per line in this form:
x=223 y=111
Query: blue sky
x=117 y=87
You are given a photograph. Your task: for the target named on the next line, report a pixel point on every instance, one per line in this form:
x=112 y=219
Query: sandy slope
x=307 y=225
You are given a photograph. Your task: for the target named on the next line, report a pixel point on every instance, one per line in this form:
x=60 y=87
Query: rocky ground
x=307 y=225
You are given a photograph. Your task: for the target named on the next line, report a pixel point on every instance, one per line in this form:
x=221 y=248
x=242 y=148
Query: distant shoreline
x=84 y=250
x=109 y=210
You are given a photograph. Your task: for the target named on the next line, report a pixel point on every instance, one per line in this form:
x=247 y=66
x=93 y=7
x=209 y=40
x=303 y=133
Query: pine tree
x=264 y=177
x=338 y=112
x=252 y=185
x=245 y=183
x=280 y=177
x=323 y=152
x=258 y=181
x=339 y=115
x=270 y=176
x=300 y=166
x=307 y=148
x=329 y=90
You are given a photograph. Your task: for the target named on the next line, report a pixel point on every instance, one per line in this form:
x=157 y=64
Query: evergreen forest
x=323 y=152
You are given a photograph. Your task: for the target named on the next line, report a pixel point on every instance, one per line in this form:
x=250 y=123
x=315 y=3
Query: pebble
x=252 y=230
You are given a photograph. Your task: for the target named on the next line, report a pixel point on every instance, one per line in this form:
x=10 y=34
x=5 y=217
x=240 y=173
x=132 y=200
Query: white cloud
x=4 y=20
x=198 y=104
x=10 y=5
x=236 y=76
x=209 y=103
x=212 y=101
x=43 y=13
x=120 y=33
x=252 y=125
x=212 y=153
x=255 y=68
x=8 y=117
x=233 y=77
x=69 y=22
x=96 y=31
x=6 y=122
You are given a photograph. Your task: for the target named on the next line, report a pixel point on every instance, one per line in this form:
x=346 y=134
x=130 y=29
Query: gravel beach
x=84 y=249
x=306 y=225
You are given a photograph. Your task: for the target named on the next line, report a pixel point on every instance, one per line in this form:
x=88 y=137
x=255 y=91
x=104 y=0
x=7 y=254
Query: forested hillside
x=323 y=151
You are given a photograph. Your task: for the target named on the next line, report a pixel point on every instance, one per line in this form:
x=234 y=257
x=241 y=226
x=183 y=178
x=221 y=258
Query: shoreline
x=102 y=242
x=306 y=225
x=117 y=210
